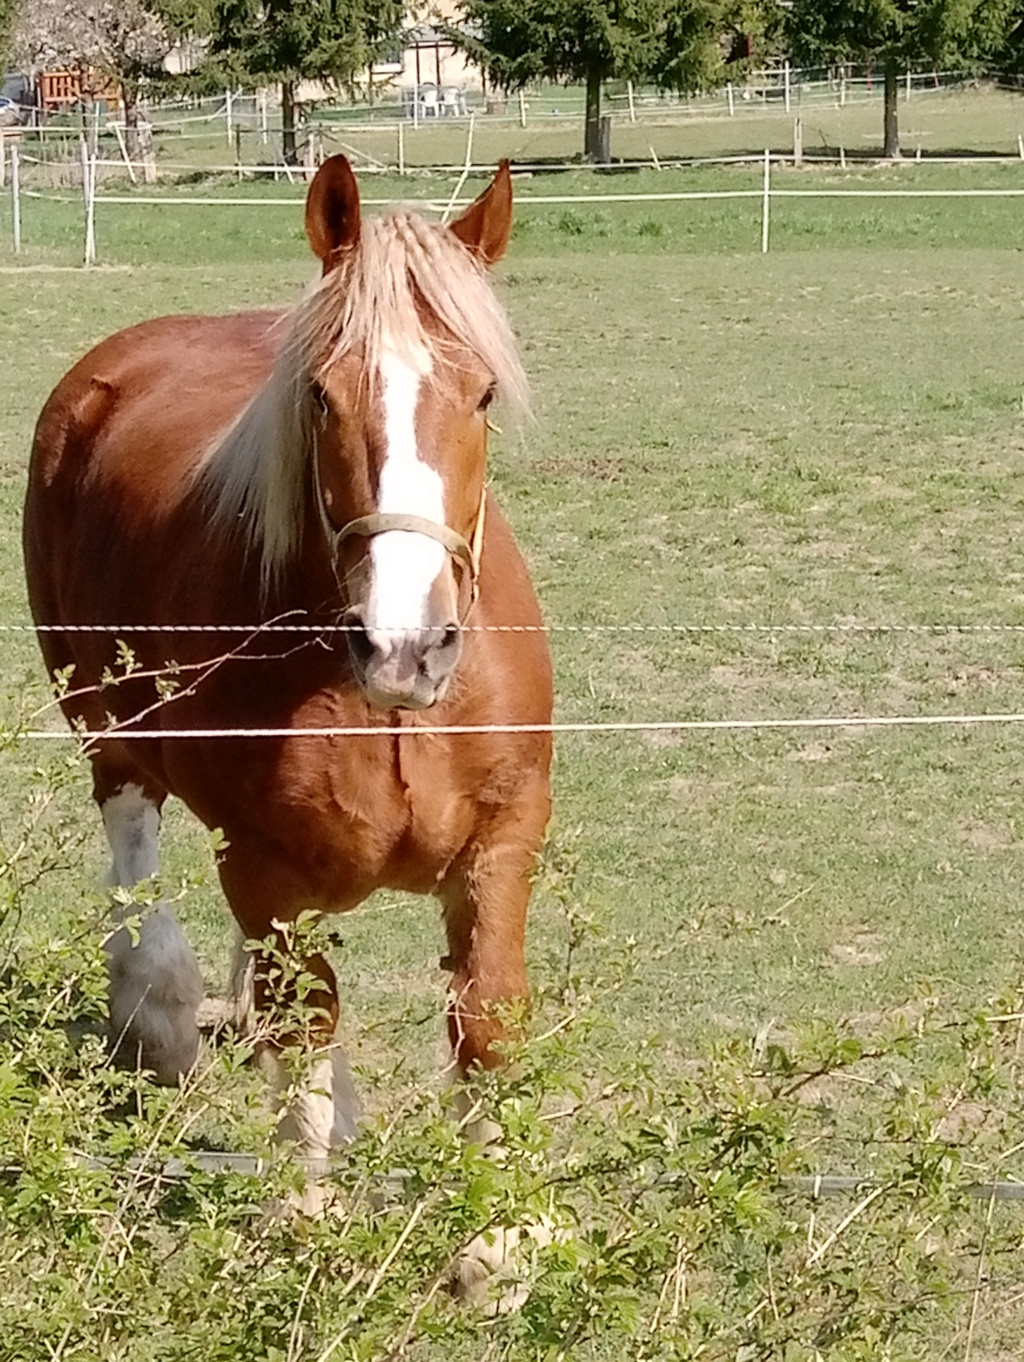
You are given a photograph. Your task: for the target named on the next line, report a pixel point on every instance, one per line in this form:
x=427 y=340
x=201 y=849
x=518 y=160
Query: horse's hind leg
x=154 y=980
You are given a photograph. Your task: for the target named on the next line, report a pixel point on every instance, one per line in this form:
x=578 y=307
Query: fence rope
x=420 y=168
x=525 y=200
x=542 y=200
x=856 y=721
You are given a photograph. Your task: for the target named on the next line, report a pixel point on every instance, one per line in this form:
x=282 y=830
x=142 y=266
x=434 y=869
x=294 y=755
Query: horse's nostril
x=359 y=644
x=438 y=639
x=440 y=642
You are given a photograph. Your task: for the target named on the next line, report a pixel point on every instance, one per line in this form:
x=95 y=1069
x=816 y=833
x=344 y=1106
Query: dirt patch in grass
x=864 y=947
x=813 y=751
x=986 y=836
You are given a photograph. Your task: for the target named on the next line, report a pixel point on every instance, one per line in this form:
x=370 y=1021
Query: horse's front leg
x=485 y=896
x=287 y=997
x=154 y=981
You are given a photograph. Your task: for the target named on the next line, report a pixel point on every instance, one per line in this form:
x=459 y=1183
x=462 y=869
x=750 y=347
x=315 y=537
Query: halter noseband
x=380 y=522
x=466 y=551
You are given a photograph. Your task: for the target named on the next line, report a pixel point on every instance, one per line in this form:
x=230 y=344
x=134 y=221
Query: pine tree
x=673 y=43
x=288 y=41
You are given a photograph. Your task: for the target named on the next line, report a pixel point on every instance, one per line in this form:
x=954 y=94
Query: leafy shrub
x=684 y=1229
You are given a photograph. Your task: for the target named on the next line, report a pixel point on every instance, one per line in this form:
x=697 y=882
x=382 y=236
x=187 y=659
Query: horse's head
x=408 y=355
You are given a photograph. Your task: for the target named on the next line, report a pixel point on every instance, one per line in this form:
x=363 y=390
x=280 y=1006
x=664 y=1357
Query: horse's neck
x=308 y=583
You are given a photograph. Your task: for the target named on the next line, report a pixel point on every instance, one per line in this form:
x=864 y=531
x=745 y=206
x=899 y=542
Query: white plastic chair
x=429 y=107
x=453 y=101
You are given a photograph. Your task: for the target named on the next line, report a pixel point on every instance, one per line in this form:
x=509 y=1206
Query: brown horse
x=320 y=470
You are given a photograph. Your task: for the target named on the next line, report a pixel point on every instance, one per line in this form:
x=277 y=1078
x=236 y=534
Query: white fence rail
x=91 y=198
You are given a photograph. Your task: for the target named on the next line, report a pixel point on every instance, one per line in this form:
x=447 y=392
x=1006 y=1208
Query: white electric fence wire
x=282 y=627
x=525 y=200
x=523 y=167
x=615 y=726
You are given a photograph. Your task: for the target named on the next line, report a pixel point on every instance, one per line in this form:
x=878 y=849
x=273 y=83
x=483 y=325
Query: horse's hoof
x=314 y=1200
x=155 y=987
x=494 y=1271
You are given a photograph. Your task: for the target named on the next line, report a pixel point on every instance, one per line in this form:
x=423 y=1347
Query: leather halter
x=381 y=522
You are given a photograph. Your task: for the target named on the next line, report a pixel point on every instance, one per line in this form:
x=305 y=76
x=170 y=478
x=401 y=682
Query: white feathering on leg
x=320 y=1107
x=155 y=988
x=155 y=983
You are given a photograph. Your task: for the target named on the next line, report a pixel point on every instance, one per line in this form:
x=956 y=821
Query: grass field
x=829 y=435
x=956 y=120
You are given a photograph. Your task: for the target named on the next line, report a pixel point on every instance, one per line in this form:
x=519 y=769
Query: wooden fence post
x=89 y=194
x=16 y=198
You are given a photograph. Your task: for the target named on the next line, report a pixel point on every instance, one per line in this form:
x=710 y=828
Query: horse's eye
x=487 y=398
x=319 y=396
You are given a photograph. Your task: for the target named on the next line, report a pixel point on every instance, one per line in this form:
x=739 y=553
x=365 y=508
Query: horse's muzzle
x=403 y=668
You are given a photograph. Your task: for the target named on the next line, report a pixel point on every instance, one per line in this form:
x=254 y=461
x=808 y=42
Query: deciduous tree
x=8 y=15
x=119 y=41
x=899 y=35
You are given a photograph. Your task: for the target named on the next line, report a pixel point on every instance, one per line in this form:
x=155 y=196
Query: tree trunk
x=592 y=124
x=90 y=119
x=130 y=101
x=288 y=149
x=891 y=138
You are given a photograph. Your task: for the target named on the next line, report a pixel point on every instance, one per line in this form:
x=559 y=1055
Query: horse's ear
x=332 y=211
x=485 y=225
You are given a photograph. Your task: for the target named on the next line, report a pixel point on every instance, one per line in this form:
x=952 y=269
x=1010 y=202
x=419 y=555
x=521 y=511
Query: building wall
x=429 y=59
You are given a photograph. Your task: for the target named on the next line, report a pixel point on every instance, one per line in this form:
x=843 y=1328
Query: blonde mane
x=404 y=271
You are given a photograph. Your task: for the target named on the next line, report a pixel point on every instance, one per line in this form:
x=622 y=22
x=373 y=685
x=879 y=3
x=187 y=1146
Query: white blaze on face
x=404 y=565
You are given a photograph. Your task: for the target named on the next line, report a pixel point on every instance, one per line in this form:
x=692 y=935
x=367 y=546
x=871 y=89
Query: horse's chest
x=388 y=818
x=439 y=822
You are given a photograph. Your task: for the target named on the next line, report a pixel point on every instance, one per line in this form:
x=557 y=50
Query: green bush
x=682 y=1227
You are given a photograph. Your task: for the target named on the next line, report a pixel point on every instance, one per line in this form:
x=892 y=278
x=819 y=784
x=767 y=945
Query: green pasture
x=569 y=212
x=814 y=456
x=956 y=120
x=936 y=122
